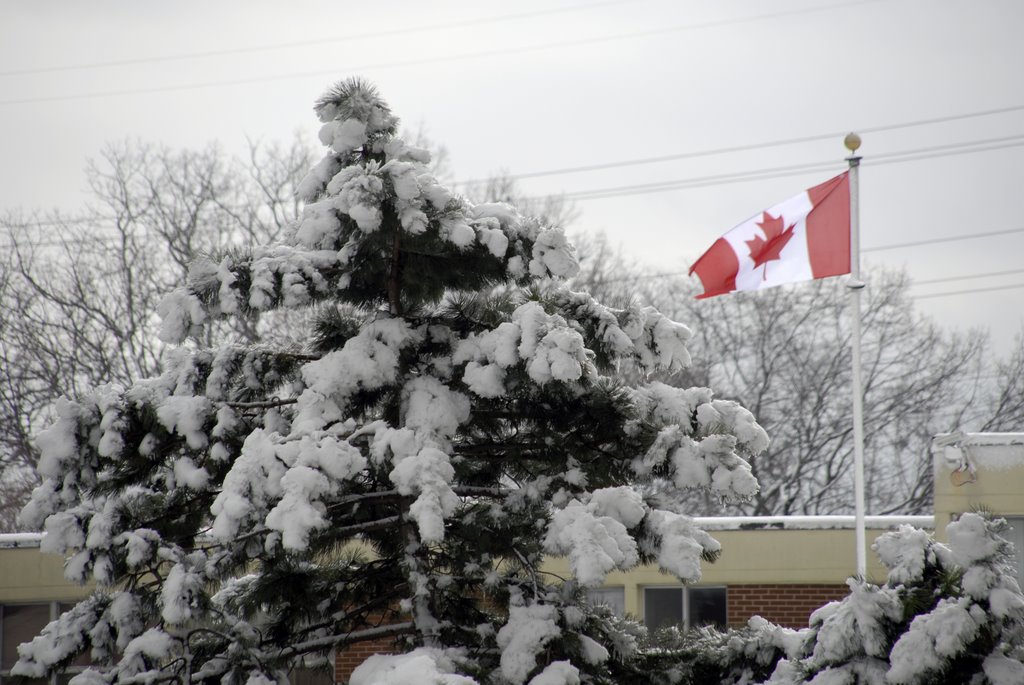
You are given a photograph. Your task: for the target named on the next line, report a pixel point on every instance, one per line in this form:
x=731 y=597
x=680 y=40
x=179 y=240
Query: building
x=781 y=568
x=981 y=472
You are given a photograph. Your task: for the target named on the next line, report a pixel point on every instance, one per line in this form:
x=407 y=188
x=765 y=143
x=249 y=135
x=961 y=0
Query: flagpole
x=855 y=285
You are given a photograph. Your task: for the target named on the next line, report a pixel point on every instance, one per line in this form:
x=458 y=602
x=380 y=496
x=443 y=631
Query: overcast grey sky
x=537 y=86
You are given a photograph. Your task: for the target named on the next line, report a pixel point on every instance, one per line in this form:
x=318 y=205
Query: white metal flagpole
x=855 y=285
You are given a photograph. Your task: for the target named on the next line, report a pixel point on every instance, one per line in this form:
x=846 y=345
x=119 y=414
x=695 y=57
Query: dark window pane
x=9 y=680
x=708 y=606
x=310 y=676
x=663 y=606
x=1016 y=535
x=21 y=623
x=612 y=597
x=65 y=678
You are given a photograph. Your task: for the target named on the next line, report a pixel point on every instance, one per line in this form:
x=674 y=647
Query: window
x=20 y=623
x=663 y=607
x=1016 y=536
x=303 y=675
x=706 y=607
x=612 y=597
x=684 y=606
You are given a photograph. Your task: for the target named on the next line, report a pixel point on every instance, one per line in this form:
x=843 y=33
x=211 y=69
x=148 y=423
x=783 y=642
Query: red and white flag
x=799 y=239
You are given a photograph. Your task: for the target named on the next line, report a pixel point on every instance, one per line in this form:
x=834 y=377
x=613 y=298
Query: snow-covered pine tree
x=447 y=424
x=946 y=614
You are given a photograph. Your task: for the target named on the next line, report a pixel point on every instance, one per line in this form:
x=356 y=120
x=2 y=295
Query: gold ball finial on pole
x=852 y=142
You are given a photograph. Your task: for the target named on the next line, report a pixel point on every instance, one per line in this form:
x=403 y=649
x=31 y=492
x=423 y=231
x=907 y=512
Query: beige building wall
x=27 y=575
x=791 y=556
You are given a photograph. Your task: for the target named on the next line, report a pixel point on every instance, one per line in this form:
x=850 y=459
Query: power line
x=670 y=274
x=968 y=292
x=435 y=60
x=878 y=248
x=990 y=274
x=751 y=146
x=915 y=297
x=700 y=181
x=697 y=182
x=685 y=272
x=315 y=41
x=793 y=170
x=731 y=177
x=965 y=146
x=947 y=239
x=966 y=149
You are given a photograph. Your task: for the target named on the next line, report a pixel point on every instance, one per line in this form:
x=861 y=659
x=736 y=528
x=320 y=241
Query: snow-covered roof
x=13 y=540
x=809 y=522
x=993 y=451
x=943 y=440
x=18 y=540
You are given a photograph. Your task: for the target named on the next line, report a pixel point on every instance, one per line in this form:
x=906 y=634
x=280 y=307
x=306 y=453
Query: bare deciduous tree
x=785 y=354
x=79 y=294
x=1006 y=393
x=789 y=355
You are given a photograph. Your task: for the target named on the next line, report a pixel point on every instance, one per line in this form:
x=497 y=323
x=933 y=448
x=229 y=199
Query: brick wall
x=346 y=660
x=786 y=605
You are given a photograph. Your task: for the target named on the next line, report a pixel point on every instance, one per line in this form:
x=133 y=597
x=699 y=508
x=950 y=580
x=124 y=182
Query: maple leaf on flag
x=776 y=235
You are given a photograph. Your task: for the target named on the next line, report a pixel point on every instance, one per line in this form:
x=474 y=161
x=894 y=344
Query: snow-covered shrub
x=946 y=614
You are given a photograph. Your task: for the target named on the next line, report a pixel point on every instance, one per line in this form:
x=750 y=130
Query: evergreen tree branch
x=344 y=639
x=268 y=404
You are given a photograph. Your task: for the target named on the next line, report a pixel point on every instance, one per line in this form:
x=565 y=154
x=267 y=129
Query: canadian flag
x=799 y=239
